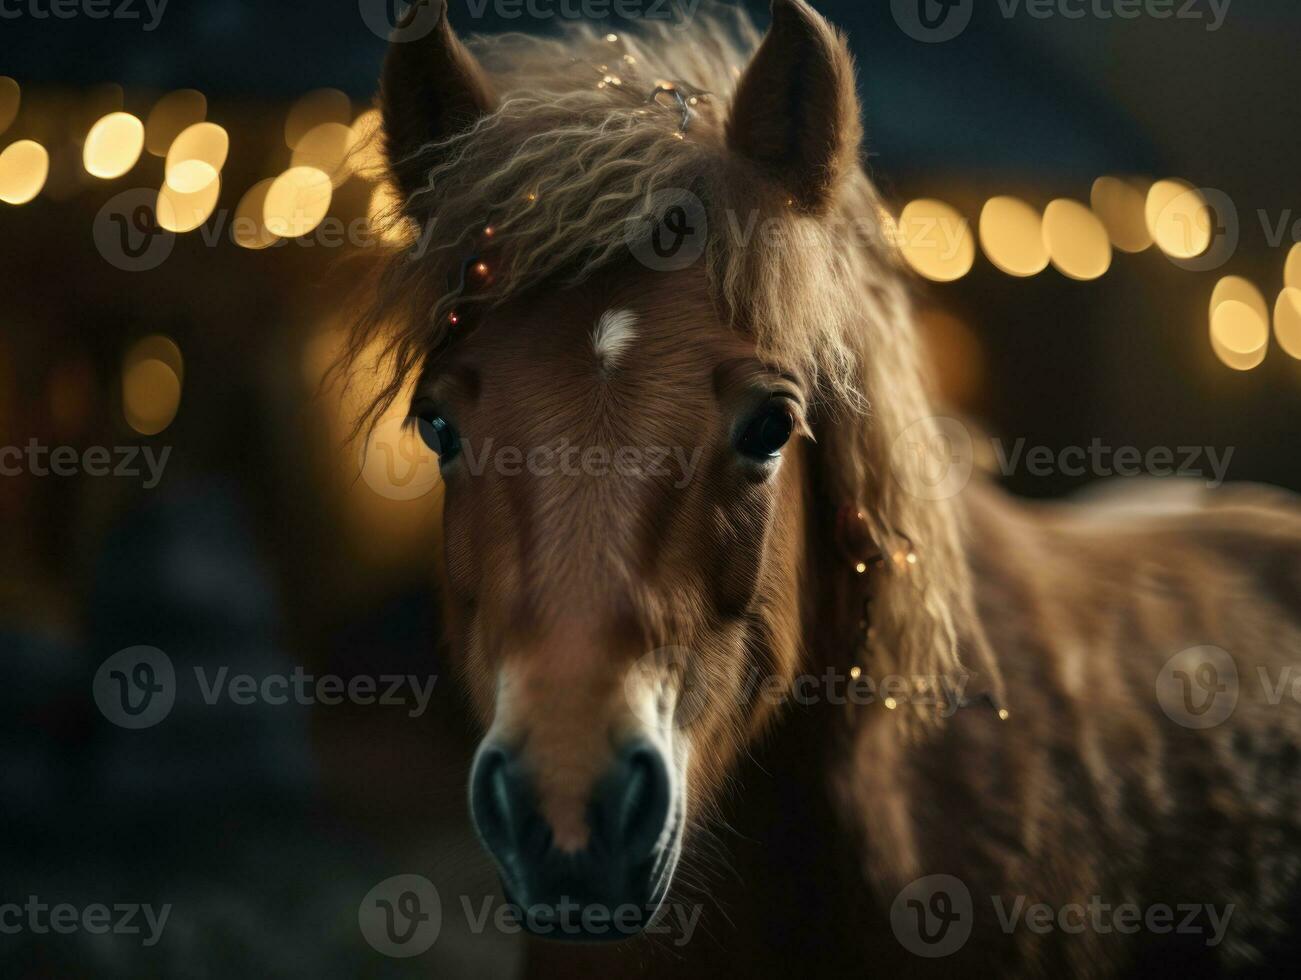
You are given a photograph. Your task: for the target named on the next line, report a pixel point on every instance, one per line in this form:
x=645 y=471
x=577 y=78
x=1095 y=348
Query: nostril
x=502 y=806
x=490 y=801
x=637 y=803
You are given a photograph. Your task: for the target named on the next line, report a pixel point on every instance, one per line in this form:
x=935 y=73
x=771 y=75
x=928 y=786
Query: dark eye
x=439 y=436
x=767 y=432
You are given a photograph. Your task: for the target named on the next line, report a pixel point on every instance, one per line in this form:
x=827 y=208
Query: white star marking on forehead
x=615 y=331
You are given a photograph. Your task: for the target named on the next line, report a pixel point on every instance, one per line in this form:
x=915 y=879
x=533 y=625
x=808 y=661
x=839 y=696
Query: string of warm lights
x=1125 y=214
x=328 y=146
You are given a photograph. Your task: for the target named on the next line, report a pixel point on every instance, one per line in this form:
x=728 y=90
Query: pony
x=762 y=687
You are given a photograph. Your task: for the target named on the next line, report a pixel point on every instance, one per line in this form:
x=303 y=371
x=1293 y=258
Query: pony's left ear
x=431 y=89
x=795 y=113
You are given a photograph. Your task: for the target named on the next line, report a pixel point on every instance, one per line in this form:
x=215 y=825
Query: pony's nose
x=610 y=889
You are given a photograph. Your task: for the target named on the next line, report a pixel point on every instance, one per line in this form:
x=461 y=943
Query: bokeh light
x=936 y=240
x=1239 y=336
x=1178 y=219
x=1287 y=321
x=250 y=227
x=11 y=98
x=325 y=147
x=23 y=168
x=1076 y=240
x=1242 y=290
x=196 y=157
x=113 y=145
x=1011 y=235
x=326 y=105
x=383 y=218
x=297 y=201
x=1122 y=207
x=1292 y=270
x=365 y=152
x=151 y=395
x=160 y=348
x=182 y=212
x=171 y=115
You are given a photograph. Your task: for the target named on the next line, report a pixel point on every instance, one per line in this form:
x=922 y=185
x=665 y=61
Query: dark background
x=261 y=549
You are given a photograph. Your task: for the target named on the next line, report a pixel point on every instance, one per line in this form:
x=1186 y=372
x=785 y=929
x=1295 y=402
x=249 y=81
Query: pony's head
x=643 y=451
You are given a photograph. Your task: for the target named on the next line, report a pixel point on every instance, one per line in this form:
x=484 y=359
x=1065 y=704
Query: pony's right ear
x=795 y=114
x=431 y=89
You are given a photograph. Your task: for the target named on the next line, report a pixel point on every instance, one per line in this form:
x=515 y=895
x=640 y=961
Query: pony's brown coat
x=1087 y=789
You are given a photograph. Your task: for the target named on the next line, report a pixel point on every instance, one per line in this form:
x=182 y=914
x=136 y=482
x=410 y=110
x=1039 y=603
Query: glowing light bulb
x=249 y=227
x=151 y=395
x=1178 y=219
x=1239 y=337
x=1292 y=270
x=1121 y=205
x=935 y=240
x=1287 y=321
x=1076 y=240
x=113 y=145
x=172 y=115
x=297 y=202
x=196 y=157
x=1012 y=236
x=23 y=168
x=185 y=211
x=325 y=147
x=320 y=106
x=11 y=97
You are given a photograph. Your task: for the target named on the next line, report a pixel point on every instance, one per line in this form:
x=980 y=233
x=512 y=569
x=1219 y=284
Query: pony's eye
x=767 y=432
x=439 y=436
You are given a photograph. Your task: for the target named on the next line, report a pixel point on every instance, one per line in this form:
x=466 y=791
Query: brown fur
x=557 y=585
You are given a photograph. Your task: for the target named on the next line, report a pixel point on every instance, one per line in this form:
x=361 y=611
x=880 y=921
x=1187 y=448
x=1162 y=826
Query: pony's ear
x=795 y=113
x=431 y=88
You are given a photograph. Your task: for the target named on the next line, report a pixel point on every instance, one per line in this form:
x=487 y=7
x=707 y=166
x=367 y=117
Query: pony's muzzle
x=611 y=889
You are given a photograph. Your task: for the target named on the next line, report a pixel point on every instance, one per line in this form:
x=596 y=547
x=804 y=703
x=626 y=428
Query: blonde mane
x=573 y=158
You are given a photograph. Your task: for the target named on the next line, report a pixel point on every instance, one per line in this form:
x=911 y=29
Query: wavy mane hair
x=564 y=166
